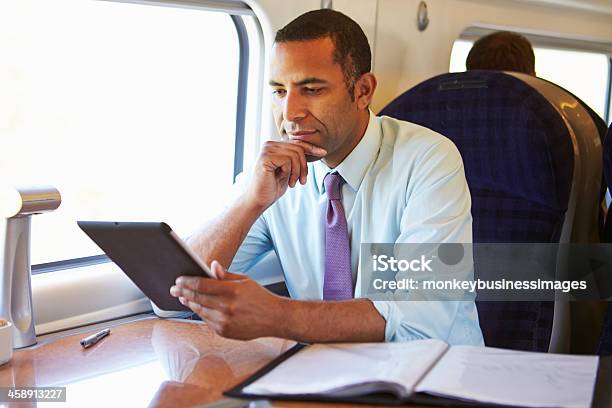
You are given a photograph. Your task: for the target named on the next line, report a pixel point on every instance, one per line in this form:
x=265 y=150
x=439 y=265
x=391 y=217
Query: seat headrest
x=512 y=140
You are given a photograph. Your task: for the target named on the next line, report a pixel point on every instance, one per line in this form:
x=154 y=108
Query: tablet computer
x=150 y=254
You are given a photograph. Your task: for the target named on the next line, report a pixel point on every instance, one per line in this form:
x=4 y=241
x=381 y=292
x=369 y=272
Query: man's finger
x=296 y=158
x=203 y=285
x=303 y=166
x=309 y=148
x=209 y=315
x=311 y=152
x=300 y=154
x=280 y=165
x=217 y=269
x=305 y=152
x=295 y=167
x=208 y=301
x=223 y=274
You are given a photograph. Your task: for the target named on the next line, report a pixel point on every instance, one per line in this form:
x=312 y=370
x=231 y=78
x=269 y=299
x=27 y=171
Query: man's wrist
x=294 y=319
x=285 y=320
x=249 y=207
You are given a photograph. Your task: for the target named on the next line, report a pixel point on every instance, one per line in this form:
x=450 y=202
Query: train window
x=561 y=67
x=130 y=110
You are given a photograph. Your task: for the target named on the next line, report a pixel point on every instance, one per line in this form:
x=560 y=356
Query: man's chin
x=310 y=158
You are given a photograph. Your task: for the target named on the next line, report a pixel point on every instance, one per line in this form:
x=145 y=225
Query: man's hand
x=233 y=305
x=237 y=307
x=280 y=165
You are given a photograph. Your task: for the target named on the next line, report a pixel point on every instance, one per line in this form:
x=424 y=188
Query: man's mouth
x=301 y=134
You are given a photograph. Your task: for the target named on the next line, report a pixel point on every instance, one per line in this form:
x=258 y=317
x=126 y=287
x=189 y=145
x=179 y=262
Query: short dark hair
x=502 y=51
x=352 y=50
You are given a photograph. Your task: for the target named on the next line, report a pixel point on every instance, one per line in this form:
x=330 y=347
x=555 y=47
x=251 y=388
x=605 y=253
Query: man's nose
x=295 y=108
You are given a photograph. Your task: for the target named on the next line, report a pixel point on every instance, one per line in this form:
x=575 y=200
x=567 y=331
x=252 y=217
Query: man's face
x=310 y=97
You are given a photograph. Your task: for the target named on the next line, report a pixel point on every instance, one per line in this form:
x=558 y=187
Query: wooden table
x=152 y=362
x=156 y=363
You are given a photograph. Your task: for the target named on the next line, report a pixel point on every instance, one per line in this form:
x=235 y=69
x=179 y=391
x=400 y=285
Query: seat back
x=607 y=168
x=605 y=342
x=519 y=163
x=577 y=325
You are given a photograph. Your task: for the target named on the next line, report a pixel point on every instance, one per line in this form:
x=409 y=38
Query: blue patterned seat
x=519 y=162
x=605 y=343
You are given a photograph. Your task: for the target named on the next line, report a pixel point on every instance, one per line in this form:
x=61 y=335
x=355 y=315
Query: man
x=339 y=176
x=502 y=51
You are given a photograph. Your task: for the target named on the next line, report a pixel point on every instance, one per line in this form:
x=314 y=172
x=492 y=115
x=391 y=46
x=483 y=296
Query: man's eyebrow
x=311 y=80
x=305 y=81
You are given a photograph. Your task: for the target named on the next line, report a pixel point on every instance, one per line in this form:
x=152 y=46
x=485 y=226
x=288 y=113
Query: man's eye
x=279 y=92
x=312 y=91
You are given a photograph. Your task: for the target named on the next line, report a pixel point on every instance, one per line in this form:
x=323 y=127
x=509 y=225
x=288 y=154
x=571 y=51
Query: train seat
x=523 y=150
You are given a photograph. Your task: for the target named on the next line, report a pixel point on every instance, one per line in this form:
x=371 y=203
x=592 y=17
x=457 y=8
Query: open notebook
x=399 y=370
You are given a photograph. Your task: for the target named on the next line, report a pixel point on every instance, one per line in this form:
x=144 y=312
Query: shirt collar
x=353 y=168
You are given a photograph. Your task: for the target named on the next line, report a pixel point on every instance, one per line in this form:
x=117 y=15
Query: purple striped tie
x=338 y=283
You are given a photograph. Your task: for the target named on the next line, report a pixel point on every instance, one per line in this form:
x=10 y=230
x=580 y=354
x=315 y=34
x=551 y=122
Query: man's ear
x=364 y=90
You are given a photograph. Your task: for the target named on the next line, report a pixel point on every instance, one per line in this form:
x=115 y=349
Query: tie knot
x=333 y=182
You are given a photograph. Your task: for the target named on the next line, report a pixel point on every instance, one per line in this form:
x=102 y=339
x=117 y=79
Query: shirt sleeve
x=437 y=210
x=258 y=241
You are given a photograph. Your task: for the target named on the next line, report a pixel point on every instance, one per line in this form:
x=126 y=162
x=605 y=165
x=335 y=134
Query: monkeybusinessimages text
x=423 y=264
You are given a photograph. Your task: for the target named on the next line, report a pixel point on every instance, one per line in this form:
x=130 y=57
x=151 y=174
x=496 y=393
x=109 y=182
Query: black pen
x=94 y=338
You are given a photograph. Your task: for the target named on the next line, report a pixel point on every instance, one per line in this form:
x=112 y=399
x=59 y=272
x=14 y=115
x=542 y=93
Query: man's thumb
x=221 y=273
x=217 y=270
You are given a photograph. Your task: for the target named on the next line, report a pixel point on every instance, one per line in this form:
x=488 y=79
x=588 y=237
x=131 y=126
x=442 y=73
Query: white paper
x=513 y=377
x=323 y=368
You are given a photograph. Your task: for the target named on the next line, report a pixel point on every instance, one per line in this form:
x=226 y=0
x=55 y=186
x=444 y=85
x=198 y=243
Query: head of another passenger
x=321 y=82
x=502 y=51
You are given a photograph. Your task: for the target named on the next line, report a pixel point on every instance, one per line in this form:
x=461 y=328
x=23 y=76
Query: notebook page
x=322 y=368
x=513 y=377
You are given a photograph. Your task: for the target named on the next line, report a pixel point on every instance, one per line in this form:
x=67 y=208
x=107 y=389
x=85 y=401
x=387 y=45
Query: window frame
x=241 y=97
